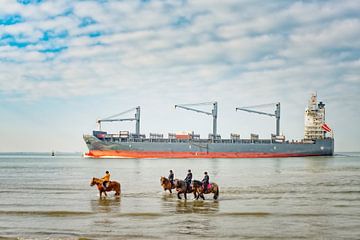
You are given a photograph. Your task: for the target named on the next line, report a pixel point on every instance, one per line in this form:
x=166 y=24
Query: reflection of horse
x=199 y=189
x=113 y=186
x=106 y=205
x=202 y=207
x=181 y=187
x=166 y=184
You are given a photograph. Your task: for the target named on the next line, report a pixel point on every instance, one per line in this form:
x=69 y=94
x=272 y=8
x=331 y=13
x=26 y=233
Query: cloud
x=135 y=36
x=227 y=50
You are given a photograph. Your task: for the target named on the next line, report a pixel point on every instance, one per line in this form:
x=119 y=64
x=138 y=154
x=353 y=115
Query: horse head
x=178 y=183
x=93 y=182
x=162 y=180
x=196 y=184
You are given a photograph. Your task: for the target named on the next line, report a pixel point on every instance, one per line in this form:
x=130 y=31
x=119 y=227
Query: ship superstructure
x=189 y=145
x=315 y=126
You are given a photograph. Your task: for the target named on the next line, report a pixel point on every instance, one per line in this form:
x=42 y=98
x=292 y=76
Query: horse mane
x=97 y=180
x=197 y=181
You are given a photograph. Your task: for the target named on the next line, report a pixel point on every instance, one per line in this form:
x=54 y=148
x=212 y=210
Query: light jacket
x=106 y=177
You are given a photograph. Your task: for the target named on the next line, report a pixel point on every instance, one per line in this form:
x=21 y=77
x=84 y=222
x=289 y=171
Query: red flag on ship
x=326 y=127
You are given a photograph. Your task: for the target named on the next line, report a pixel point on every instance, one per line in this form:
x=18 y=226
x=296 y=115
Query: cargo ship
x=124 y=144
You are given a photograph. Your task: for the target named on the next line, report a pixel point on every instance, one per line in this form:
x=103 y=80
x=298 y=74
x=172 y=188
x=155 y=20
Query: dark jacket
x=188 y=177
x=171 y=177
x=206 y=179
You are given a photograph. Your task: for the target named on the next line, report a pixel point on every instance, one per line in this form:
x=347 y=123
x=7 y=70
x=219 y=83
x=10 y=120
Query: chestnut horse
x=166 y=184
x=112 y=186
x=180 y=186
x=199 y=189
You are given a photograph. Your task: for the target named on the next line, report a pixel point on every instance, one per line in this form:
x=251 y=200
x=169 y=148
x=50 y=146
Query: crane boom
x=276 y=114
x=213 y=113
x=193 y=109
x=113 y=119
x=258 y=112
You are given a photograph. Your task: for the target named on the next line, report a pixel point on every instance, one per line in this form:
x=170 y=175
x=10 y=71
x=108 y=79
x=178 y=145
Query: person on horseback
x=188 y=179
x=205 y=181
x=106 y=179
x=171 y=178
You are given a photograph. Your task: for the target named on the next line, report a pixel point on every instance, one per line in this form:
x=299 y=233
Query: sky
x=64 y=64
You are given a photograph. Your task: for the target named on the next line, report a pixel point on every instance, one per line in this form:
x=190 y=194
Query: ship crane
x=276 y=114
x=213 y=113
x=114 y=118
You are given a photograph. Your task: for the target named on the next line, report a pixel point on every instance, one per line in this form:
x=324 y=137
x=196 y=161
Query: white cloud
x=227 y=50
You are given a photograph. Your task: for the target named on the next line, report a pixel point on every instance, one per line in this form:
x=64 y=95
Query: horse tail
x=117 y=189
x=216 y=195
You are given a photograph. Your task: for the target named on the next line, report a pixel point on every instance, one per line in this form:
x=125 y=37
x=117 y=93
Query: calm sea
x=44 y=197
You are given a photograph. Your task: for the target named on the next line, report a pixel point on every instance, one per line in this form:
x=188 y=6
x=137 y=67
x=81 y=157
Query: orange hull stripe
x=150 y=154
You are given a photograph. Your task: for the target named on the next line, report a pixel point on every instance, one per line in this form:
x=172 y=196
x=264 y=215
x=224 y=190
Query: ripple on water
x=47 y=213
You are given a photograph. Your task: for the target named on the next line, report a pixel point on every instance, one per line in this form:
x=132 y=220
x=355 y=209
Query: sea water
x=45 y=197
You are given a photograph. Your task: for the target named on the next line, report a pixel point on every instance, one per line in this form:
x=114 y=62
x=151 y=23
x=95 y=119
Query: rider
x=106 y=178
x=171 y=178
x=205 y=181
x=188 y=179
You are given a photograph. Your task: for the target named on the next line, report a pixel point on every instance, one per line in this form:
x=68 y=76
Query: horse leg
x=185 y=195
x=170 y=190
x=202 y=196
x=178 y=195
x=216 y=194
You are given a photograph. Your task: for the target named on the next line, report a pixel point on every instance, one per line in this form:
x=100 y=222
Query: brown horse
x=166 y=184
x=181 y=187
x=112 y=186
x=199 y=189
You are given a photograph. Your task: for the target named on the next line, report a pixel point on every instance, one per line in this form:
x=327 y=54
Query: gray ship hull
x=172 y=148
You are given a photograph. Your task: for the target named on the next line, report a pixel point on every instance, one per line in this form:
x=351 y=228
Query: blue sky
x=63 y=64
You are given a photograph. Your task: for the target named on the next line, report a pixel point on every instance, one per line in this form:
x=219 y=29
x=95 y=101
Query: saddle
x=107 y=184
x=208 y=186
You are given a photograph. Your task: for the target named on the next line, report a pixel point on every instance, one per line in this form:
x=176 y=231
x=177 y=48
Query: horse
x=199 y=189
x=166 y=184
x=112 y=186
x=181 y=187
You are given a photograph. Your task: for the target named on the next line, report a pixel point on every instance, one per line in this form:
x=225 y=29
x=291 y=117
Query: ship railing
x=205 y=141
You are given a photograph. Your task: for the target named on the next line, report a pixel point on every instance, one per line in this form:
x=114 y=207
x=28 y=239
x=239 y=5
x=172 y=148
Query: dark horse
x=113 y=186
x=166 y=184
x=181 y=187
x=199 y=189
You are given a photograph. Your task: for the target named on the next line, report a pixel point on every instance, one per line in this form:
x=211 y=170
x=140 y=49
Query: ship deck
x=202 y=141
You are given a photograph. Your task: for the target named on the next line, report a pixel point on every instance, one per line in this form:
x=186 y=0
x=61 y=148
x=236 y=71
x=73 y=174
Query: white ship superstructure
x=314 y=119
